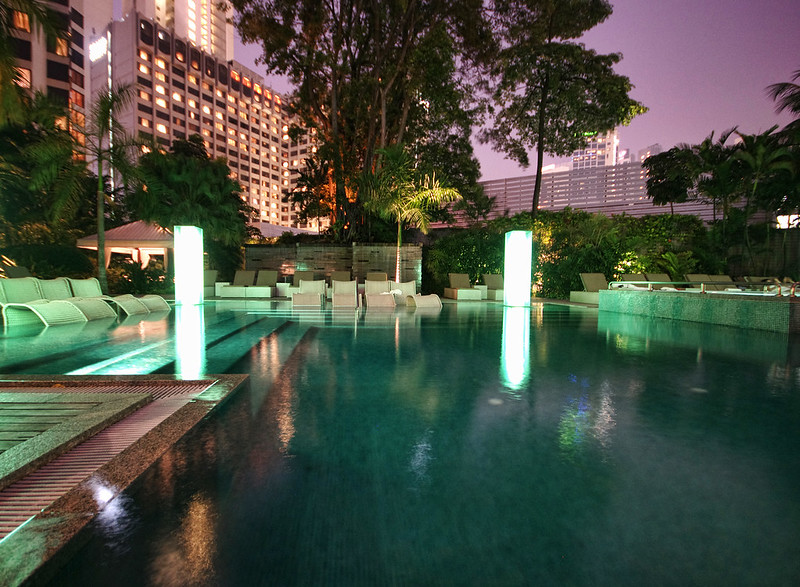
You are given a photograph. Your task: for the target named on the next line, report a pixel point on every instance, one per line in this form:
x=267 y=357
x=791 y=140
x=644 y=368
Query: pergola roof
x=136 y=235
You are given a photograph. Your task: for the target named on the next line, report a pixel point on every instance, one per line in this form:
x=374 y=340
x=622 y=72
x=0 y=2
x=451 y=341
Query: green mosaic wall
x=775 y=314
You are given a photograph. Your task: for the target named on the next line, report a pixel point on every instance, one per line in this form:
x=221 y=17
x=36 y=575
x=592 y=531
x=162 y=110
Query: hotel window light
x=161 y=102
x=144 y=69
x=161 y=128
x=161 y=63
x=160 y=90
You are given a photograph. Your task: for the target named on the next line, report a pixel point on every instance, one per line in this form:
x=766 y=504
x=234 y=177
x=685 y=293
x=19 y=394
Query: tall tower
x=202 y=22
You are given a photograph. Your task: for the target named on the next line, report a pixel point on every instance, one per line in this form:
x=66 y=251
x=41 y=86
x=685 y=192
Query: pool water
x=467 y=447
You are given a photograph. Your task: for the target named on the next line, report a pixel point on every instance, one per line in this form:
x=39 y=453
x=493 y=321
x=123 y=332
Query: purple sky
x=698 y=65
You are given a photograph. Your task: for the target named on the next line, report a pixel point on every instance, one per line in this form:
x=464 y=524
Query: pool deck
x=70 y=444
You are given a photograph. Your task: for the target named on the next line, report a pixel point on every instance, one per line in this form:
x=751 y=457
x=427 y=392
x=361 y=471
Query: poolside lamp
x=188 y=265
x=517 y=268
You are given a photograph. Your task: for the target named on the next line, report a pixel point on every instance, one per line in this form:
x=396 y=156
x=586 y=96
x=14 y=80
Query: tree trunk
x=101 y=229
x=399 y=244
x=537 y=189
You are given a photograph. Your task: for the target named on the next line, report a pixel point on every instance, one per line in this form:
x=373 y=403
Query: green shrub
x=50 y=261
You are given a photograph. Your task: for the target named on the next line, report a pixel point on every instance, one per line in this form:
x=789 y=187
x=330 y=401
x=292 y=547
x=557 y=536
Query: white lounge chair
x=59 y=289
x=22 y=304
x=344 y=294
x=461 y=288
x=90 y=288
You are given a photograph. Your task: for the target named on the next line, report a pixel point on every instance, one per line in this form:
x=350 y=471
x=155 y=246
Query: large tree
x=357 y=71
x=185 y=186
x=552 y=93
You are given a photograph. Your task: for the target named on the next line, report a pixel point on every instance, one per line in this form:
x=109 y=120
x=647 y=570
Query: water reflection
x=515 y=353
x=190 y=342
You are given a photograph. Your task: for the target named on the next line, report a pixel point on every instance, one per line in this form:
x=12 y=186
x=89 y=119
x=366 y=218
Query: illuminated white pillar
x=515 y=357
x=188 y=265
x=190 y=342
x=517 y=269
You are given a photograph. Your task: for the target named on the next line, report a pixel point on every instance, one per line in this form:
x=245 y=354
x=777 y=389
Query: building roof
x=137 y=234
x=269 y=230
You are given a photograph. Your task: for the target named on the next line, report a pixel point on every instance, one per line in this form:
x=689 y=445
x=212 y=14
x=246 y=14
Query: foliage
x=552 y=94
x=186 y=187
x=570 y=242
x=48 y=261
x=787 y=97
x=128 y=276
x=365 y=75
x=398 y=191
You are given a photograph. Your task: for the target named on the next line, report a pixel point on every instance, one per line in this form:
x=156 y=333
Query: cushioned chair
x=402 y=290
x=242 y=279
x=344 y=294
x=427 y=301
x=209 y=279
x=376 y=276
x=494 y=286
x=311 y=293
x=266 y=284
x=461 y=288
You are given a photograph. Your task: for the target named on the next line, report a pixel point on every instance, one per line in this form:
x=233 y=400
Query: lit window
x=143 y=68
x=161 y=128
x=62 y=47
x=144 y=96
x=192 y=79
x=206 y=132
x=144 y=122
x=21 y=21
x=232 y=142
x=232 y=132
x=219 y=115
x=144 y=55
x=231 y=99
x=24 y=77
x=177 y=97
x=231 y=109
x=161 y=63
x=160 y=76
x=161 y=102
x=242 y=136
x=160 y=90
x=206 y=109
x=218 y=126
x=274 y=149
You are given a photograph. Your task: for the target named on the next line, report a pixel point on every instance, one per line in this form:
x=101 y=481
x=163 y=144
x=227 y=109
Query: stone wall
x=358 y=259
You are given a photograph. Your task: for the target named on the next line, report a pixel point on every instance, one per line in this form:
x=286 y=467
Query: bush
x=50 y=261
x=127 y=276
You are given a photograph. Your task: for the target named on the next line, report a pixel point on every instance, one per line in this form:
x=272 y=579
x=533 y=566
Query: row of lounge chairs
x=305 y=290
x=28 y=300
x=694 y=282
x=462 y=289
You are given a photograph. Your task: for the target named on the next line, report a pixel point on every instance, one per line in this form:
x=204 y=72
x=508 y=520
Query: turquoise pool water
x=469 y=447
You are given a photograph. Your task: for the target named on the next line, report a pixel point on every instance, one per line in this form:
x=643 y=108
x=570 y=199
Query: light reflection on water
x=389 y=451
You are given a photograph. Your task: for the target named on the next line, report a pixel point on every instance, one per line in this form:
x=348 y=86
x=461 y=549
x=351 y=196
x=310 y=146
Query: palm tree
x=787 y=96
x=398 y=192
x=108 y=145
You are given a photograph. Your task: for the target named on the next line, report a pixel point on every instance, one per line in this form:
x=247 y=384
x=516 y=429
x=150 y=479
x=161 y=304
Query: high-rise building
x=54 y=66
x=600 y=151
x=205 y=24
x=181 y=90
x=653 y=149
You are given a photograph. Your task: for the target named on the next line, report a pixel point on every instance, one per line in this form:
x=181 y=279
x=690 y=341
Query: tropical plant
x=110 y=150
x=787 y=96
x=186 y=187
x=398 y=192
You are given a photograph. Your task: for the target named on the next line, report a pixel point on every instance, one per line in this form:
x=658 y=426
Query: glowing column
x=188 y=265
x=517 y=269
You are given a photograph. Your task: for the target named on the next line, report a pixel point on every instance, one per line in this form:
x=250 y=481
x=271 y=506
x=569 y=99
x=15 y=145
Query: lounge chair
x=426 y=301
x=22 y=304
x=344 y=294
x=311 y=293
x=592 y=283
x=90 y=288
x=265 y=286
x=494 y=286
x=461 y=288
x=242 y=279
x=633 y=277
x=337 y=276
x=209 y=279
x=92 y=308
x=659 y=280
x=379 y=300
x=376 y=276
x=402 y=290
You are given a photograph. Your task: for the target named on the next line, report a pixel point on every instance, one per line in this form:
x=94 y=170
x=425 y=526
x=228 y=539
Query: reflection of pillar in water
x=188 y=265
x=517 y=268
x=516 y=346
x=190 y=342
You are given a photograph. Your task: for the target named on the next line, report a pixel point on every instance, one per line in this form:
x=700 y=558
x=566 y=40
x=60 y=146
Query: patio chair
x=311 y=293
x=659 y=277
x=461 y=288
x=209 y=279
x=402 y=290
x=92 y=308
x=22 y=304
x=494 y=283
x=242 y=279
x=266 y=284
x=90 y=288
x=426 y=301
x=344 y=294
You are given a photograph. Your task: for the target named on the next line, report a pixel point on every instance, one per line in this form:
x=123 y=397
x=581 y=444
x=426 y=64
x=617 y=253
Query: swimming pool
x=441 y=449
